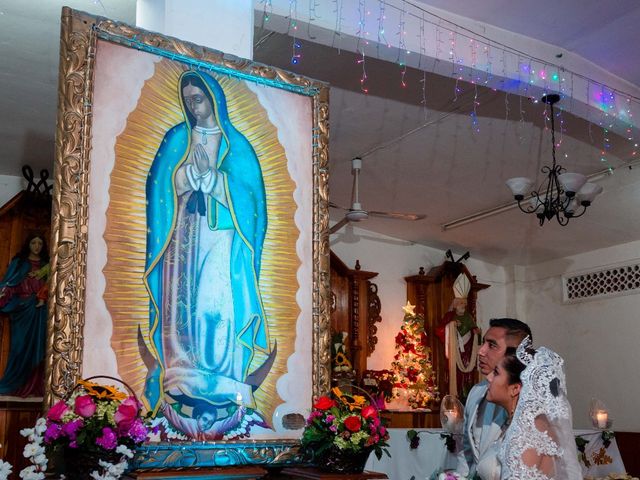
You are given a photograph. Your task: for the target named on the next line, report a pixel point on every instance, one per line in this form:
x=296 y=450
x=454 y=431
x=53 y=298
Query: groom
x=483 y=420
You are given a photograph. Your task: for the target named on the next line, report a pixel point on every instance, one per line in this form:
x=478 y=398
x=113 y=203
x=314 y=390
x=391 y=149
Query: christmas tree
x=412 y=367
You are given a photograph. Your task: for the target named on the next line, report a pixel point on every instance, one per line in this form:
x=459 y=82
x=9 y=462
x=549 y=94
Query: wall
x=9 y=187
x=598 y=338
x=395 y=259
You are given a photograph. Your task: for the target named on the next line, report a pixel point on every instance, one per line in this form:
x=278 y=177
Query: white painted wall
x=598 y=339
x=9 y=187
x=395 y=259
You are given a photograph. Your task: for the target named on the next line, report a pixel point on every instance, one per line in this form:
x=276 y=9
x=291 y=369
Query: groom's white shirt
x=483 y=423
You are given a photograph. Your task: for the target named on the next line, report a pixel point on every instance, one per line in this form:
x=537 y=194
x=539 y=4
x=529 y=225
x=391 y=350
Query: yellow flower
x=102 y=391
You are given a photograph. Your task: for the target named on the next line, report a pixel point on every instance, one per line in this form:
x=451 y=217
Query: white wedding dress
x=539 y=444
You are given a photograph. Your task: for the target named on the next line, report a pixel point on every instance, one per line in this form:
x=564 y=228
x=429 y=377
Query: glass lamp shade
x=519 y=186
x=572 y=182
x=589 y=191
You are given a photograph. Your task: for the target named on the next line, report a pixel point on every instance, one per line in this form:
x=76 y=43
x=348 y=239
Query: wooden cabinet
x=355 y=309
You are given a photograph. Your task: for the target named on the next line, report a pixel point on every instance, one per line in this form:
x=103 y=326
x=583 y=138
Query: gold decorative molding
x=79 y=35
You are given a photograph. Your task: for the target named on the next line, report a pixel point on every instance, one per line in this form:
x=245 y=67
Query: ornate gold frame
x=79 y=35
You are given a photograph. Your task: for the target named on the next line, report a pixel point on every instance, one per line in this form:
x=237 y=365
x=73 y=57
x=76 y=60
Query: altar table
x=432 y=455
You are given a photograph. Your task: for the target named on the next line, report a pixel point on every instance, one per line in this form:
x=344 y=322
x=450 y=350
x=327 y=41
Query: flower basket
x=92 y=433
x=341 y=432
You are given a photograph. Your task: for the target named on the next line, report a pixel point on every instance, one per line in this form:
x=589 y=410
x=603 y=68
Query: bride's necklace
x=204 y=132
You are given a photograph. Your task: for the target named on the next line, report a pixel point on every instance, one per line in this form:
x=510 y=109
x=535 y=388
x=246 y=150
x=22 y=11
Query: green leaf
x=411 y=434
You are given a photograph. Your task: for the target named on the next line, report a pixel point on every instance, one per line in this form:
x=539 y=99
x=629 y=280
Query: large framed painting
x=190 y=247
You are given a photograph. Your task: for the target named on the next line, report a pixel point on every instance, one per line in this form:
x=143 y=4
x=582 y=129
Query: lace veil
x=539 y=444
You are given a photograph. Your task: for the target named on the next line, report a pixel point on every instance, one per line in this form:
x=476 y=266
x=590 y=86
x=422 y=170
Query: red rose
x=85 y=406
x=55 y=413
x=352 y=423
x=369 y=411
x=324 y=403
x=126 y=414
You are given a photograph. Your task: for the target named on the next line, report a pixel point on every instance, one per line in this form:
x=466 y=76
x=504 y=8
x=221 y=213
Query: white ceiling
x=445 y=170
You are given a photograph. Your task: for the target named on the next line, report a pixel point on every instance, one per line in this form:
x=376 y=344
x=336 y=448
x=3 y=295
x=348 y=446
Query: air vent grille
x=621 y=280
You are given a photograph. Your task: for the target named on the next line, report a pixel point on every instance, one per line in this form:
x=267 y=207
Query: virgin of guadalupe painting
x=207 y=220
x=199 y=265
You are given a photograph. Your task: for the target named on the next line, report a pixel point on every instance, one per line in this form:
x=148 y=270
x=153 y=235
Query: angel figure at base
x=537 y=441
x=203 y=425
x=460 y=334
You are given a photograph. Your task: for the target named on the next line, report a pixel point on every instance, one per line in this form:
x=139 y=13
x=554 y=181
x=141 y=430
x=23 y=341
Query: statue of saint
x=461 y=335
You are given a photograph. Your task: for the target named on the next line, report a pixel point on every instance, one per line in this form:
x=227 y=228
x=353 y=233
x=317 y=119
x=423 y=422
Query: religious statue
x=23 y=295
x=206 y=225
x=461 y=337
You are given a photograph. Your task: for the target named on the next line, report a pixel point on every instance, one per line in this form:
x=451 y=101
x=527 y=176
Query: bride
x=538 y=441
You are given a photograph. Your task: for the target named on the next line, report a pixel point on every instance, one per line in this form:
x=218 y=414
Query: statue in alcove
x=461 y=336
x=23 y=294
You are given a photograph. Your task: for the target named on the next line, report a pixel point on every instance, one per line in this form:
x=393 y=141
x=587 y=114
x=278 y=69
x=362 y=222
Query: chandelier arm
x=562 y=219
x=531 y=208
x=584 y=209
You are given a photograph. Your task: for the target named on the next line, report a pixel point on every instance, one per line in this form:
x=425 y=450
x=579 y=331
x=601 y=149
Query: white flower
x=123 y=450
x=5 y=469
x=32 y=449
x=40 y=459
x=25 y=432
x=30 y=473
x=41 y=426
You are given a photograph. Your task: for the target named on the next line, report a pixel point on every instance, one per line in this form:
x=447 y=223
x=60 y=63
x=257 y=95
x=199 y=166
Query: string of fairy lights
x=478 y=69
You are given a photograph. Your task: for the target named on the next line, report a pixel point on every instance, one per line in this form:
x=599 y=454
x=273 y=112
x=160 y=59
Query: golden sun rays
x=158 y=109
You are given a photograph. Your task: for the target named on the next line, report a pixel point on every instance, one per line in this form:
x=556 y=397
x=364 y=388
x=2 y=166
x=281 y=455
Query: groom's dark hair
x=516 y=331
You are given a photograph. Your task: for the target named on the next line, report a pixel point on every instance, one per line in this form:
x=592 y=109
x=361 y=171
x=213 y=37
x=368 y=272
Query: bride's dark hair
x=512 y=365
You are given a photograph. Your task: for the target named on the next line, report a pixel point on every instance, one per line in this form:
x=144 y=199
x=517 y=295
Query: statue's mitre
x=461 y=286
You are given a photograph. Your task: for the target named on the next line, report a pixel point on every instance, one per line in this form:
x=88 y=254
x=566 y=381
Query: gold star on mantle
x=409 y=309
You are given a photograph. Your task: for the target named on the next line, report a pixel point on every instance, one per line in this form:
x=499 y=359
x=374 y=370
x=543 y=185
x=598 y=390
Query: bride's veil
x=539 y=444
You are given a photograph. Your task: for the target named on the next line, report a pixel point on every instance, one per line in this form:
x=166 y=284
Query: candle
x=451 y=416
x=602 y=417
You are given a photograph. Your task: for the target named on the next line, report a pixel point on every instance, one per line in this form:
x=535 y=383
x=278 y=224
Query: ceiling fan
x=356 y=213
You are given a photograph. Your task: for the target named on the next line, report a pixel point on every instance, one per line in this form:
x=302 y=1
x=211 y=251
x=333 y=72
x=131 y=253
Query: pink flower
x=55 y=413
x=382 y=431
x=127 y=412
x=138 y=432
x=85 y=406
x=71 y=429
x=369 y=411
x=108 y=440
x=330 y=419
x=54 y=430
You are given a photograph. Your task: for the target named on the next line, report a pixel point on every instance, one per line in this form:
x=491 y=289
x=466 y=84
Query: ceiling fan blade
x=398 y=216
x=335 y=205
x=338 y=225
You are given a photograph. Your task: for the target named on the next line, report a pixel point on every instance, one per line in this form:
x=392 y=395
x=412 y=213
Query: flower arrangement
x=341 y=432
x=95 y=430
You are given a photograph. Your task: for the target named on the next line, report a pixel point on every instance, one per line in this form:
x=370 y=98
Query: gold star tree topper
x=409 y=309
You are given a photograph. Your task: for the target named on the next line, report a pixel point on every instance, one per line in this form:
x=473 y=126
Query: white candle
x=451 y=416
x=602 y=417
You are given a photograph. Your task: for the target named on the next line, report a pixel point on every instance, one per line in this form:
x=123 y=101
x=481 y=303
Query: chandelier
x=562 y=195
